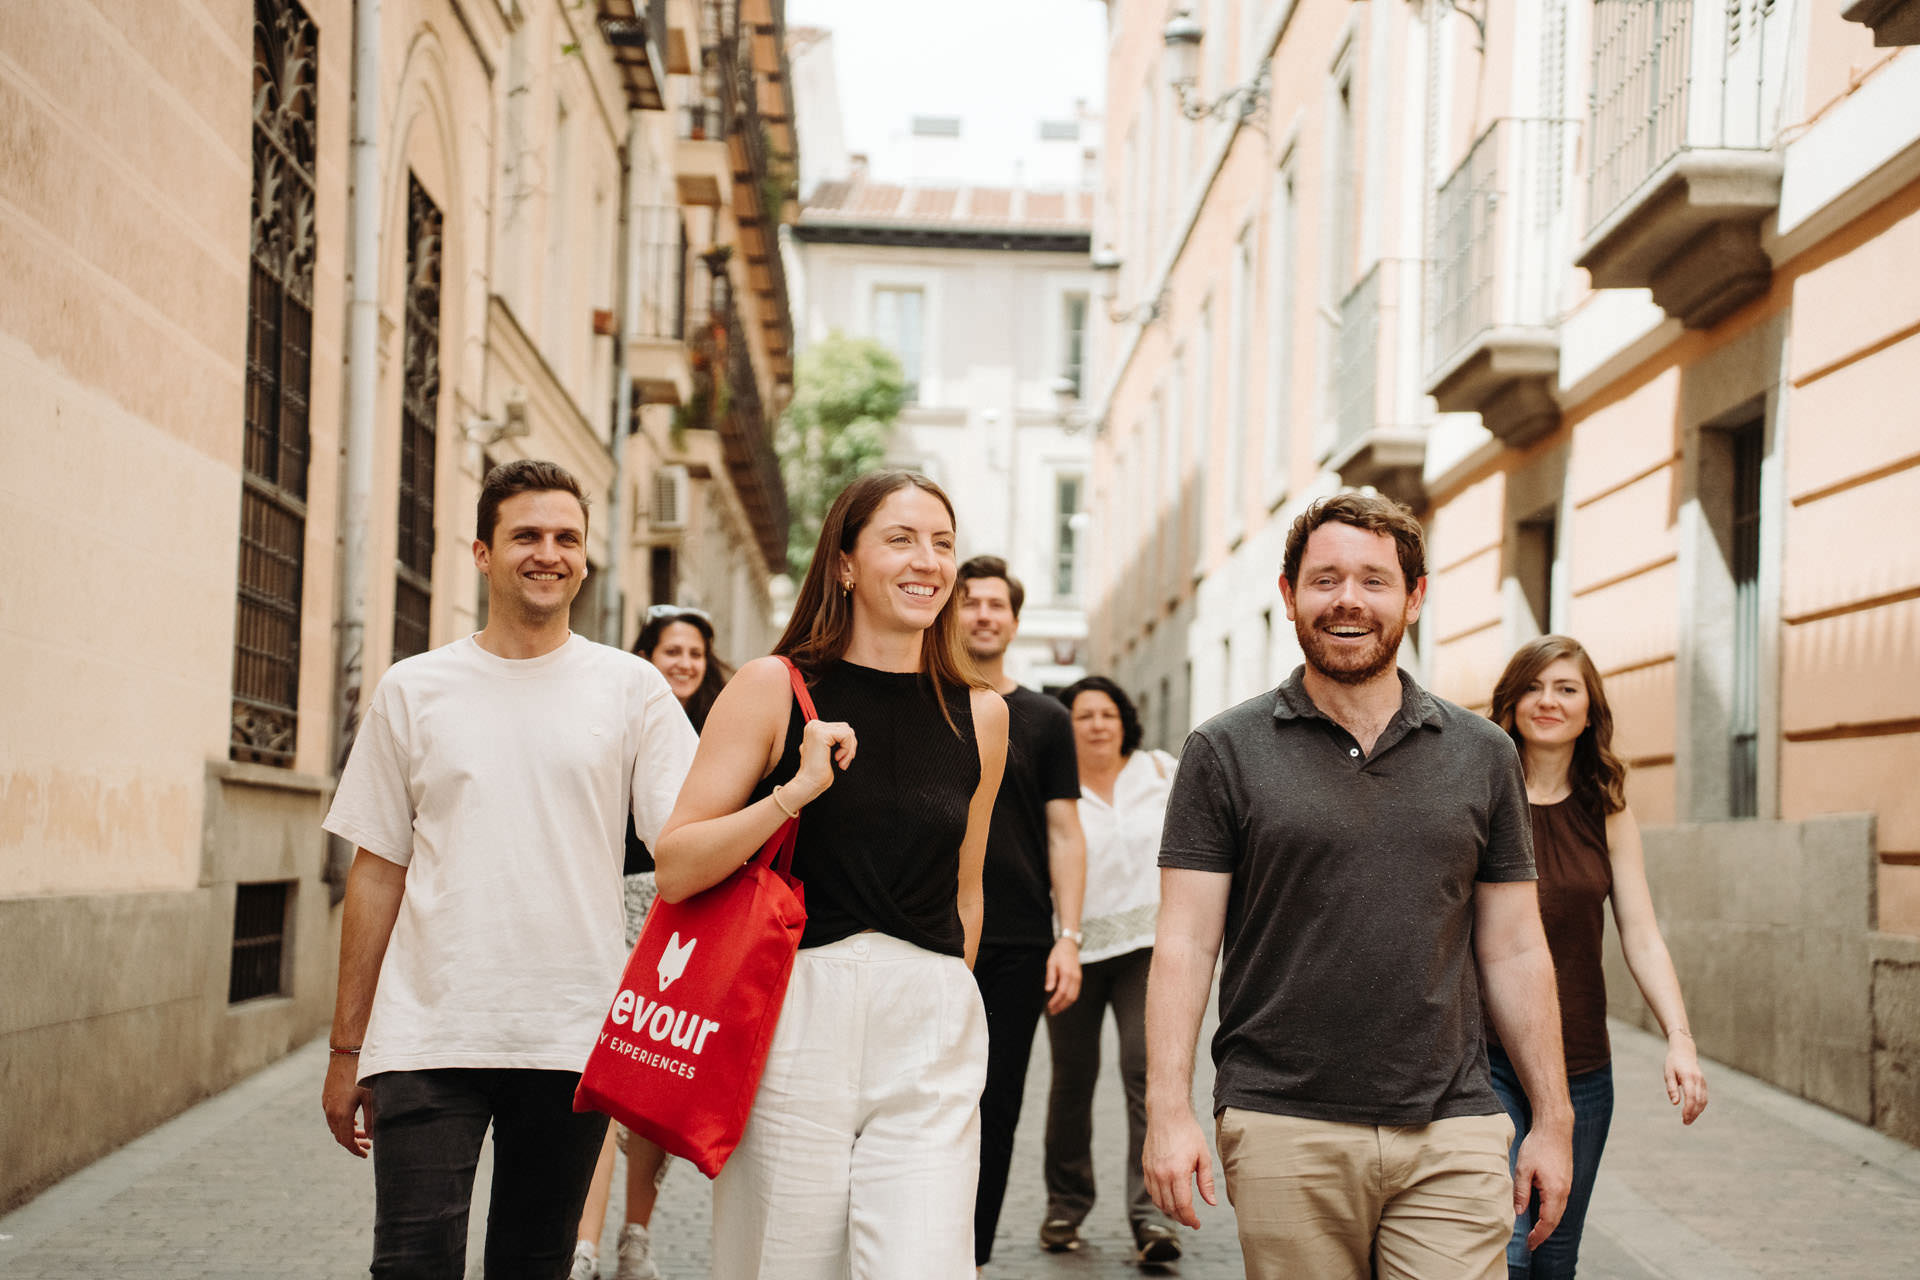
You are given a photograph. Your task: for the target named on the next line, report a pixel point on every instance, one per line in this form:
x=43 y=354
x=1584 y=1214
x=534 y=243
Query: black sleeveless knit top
x=880 y=848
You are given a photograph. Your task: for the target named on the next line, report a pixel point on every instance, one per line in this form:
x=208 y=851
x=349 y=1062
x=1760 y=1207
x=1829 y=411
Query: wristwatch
x=1072 y=935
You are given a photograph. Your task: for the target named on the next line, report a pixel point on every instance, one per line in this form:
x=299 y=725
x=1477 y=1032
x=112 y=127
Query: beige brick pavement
x=248 y=1184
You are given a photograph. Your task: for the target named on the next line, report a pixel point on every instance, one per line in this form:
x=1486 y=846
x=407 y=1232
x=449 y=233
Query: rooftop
x=856 y=202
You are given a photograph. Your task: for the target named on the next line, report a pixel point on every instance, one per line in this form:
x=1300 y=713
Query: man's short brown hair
x=1367 y=511
x=524 y=475
x=995 y=567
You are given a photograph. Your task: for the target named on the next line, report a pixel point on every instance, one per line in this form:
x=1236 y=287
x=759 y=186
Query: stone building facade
x=1607 y=292
x=285 y=277
x=983 y=293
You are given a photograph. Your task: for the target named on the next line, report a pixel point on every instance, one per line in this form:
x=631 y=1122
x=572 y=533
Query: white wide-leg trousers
x=862 y=1153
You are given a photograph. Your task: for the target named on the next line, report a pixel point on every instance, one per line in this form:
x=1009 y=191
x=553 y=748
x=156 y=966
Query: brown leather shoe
x=1060 y=1235
x=1155 y=1243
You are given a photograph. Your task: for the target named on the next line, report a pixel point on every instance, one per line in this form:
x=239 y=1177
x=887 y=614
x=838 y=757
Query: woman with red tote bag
x=861 y=1153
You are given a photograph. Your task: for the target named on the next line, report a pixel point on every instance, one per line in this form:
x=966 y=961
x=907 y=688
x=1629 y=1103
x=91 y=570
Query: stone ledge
x=1507 y=376
x=702 y=171
x=1691 y=233
x=237 y=773
x=1390 y=459
x=1894 y=22
x=660 y=370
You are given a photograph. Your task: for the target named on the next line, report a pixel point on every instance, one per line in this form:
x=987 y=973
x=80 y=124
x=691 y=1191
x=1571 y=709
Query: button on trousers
x=861 y=1156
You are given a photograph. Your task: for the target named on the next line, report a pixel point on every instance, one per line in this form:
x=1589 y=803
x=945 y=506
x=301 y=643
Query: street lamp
x=1246 y=102
x=1106 y=264
x=1182 y=38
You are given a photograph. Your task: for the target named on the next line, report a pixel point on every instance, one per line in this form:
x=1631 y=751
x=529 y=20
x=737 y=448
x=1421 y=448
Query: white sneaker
x=636 y=1254
x=586 y=1264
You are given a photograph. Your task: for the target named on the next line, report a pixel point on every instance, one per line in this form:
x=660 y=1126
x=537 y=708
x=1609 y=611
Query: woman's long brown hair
x=822 y=622
x=1596 y=771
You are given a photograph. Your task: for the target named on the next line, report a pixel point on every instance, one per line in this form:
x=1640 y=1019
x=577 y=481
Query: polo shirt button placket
x=1353 y=751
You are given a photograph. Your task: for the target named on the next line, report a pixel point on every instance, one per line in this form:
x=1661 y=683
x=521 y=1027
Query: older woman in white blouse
x=1123 y=798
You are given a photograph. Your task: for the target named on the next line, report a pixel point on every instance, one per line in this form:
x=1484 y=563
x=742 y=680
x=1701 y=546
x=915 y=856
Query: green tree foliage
x=847 y=393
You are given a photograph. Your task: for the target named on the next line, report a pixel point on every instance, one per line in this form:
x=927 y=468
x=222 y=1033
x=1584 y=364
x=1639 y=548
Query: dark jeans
x=1592 y=1093
x=1013 y=987
x=427 y=1129
x=1074 y=1034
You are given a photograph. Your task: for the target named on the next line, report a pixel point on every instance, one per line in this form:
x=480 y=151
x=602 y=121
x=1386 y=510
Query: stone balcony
x=702 y=166
x=1495 y=253
x=1682 y=165
x=1691 y=234
x=1507 y=376
x=1380 y=429
x=681 y=42
x=1894 y=22
x=657 y=358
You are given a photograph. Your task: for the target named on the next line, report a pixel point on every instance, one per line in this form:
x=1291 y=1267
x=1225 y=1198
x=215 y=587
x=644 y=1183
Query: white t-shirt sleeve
x=667 y=743
x=373 y=806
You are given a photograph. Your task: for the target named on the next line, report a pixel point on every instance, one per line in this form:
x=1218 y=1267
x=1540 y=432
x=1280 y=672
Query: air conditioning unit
x=672 y=487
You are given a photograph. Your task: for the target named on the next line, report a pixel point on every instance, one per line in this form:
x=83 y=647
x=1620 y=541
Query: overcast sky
x=1000 y=65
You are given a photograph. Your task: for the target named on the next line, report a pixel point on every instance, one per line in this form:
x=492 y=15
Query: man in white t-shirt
x=482 y=935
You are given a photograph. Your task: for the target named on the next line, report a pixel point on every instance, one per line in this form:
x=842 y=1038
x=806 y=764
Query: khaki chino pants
x=1327 y=1201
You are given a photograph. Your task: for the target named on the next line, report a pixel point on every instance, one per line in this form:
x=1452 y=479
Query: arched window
x=419 y=412
x=273 y=494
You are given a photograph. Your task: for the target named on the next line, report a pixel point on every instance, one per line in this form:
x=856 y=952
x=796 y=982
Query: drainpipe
x=612 y=598
x=362 y=373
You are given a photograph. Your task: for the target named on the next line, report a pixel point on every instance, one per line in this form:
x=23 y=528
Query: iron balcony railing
x=700 y=111
x=769 y=177
x=1372 y=385
x=660 y=244
x=1499 y=236
x=700 y=100
x=709 y=291
x=1677 y=75
x=746 y=439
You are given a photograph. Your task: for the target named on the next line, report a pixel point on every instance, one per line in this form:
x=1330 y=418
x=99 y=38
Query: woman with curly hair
x=1586 y=846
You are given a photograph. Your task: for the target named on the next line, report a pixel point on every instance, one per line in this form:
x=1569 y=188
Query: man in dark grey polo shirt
x=1364 y=850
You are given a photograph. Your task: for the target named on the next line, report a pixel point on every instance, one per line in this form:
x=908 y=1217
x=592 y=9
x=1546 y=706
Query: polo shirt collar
x=1291 y=701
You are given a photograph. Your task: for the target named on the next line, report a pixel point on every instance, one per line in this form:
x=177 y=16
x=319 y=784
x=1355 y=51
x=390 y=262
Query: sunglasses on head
x=657 y=612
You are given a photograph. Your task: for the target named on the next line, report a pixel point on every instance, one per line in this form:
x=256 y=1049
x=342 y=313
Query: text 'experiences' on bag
x=679 y=1057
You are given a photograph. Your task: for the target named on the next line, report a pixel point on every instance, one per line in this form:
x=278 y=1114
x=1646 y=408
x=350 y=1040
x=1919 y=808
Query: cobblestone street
x=248 y=1184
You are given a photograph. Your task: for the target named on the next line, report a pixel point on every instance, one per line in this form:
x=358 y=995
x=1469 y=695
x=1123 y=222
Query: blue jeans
x=1592 y=1093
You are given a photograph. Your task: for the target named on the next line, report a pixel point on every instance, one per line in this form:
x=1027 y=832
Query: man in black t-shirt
x=1364 y=851
x=1036 y=868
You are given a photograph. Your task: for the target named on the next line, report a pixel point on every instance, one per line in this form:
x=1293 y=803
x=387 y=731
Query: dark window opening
x=259 y=938
x=1535 y=542
x=274 y=455
x=1066 y=537
x=1075 y=366
x=419 y=410
x=1747 y=448
x=660 y=576
x=583 y=615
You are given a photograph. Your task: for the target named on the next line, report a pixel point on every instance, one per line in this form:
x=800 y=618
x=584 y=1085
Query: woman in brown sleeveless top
x=1587 y=848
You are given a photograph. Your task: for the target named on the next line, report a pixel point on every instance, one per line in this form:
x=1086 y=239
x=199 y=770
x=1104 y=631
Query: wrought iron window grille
x=419 y=412
x=276 y=444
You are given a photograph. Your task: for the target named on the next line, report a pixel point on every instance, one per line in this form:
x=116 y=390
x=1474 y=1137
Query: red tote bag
x=680 y=1054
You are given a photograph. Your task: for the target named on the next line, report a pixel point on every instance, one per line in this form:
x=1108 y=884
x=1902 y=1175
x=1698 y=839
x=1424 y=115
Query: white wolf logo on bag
x=673 y=961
